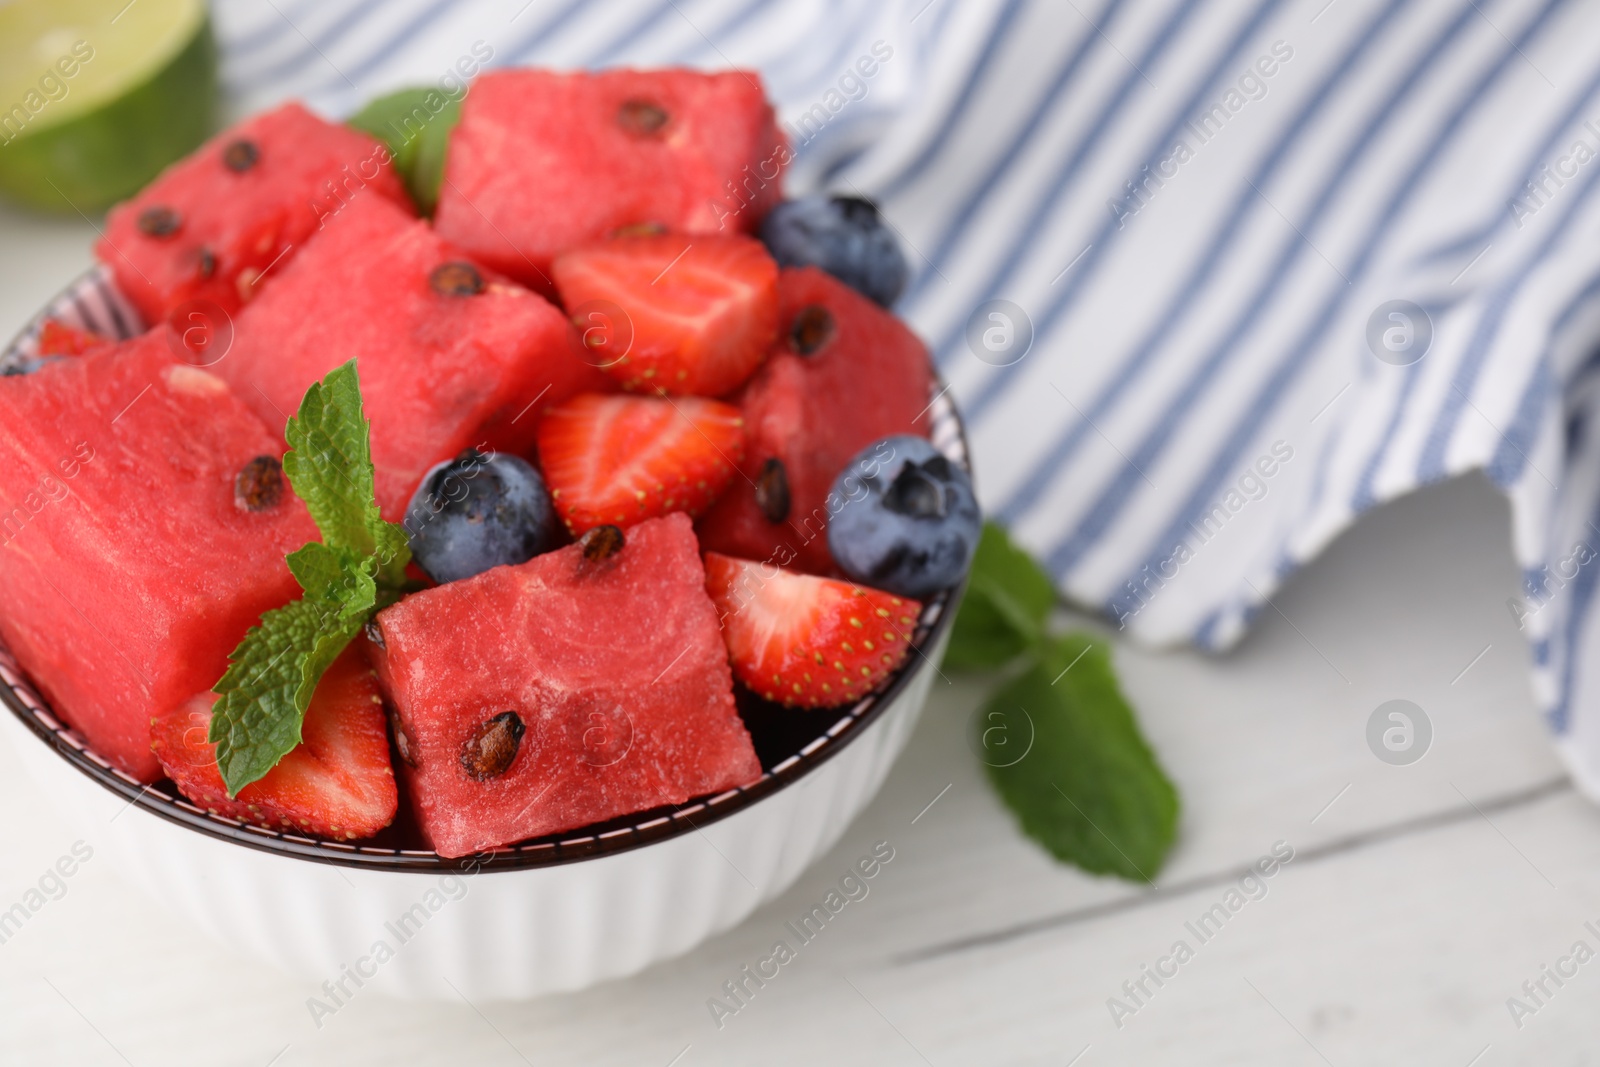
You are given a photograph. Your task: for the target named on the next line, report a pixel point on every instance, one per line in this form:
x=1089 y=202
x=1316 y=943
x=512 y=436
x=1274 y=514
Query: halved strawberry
x=804 y=641
x=624 y=459
x=336 y=783
x=56 y=338
x=703 y=309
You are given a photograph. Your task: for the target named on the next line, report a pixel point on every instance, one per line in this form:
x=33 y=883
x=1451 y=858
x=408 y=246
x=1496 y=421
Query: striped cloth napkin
x=1209 y=279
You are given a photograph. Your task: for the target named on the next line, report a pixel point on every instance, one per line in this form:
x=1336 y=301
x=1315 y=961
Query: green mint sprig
x=357 y=569
x=414 y=124
x=1069 y=759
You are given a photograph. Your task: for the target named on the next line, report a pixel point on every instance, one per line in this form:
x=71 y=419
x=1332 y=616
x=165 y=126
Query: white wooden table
x=1420 y=897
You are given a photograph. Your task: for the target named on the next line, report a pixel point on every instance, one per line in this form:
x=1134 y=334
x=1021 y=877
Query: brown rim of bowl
x=77 y=306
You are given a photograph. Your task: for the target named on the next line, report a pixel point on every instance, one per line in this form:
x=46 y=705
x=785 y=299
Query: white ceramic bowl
x=558 y=913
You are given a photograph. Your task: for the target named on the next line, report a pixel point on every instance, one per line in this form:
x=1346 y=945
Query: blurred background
x=1191 y=215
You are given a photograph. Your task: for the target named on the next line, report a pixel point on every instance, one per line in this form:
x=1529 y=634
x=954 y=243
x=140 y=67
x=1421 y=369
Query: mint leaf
x=390 y=553
x=1059 y=742
x=332 y=576
x=340 y=585
x=330 y=467
x=267 y=687
x=415 y=124
x=330 y=462
x=1065 y=754
x=358 y=567
x=1004 y=611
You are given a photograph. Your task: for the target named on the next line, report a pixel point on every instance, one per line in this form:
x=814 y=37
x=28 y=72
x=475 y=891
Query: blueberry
x=28 y=365
x=478 y=511
x=906 y=520
x=843 y=235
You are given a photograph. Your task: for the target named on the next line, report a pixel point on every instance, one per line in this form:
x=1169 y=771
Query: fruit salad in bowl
x=545 y=541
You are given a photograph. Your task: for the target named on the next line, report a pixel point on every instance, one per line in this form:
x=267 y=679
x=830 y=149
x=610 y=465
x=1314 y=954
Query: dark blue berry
x=843 y=235
x=477 y=511
x=27 y=365
x=904 y=519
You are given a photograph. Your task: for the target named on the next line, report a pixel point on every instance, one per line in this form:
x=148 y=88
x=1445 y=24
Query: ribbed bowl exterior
x=489 y=934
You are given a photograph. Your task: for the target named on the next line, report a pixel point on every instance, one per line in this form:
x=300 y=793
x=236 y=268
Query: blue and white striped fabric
x=1203 y=214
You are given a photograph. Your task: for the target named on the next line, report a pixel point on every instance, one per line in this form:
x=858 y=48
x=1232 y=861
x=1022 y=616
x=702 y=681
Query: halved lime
x=96 y=96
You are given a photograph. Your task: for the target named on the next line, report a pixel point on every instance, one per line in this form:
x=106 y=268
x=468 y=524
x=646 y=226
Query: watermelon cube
x=450 y=356
x=214 y=224
x=844 y=373
x=562 y=692
x=139 y=539
x=543 y=161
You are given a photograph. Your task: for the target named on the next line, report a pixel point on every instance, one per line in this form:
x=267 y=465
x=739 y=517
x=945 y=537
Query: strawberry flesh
x=804 y=641
x=619 y=460
x=703 y=310
x=58 y=339
x=336 y=783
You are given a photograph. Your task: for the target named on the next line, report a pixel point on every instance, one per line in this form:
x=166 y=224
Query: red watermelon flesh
x=867 y=376
x=224 y=220
x=543 y=161
x=440 y=370
x=130 y=572
x=615 y=670
x=337 y=782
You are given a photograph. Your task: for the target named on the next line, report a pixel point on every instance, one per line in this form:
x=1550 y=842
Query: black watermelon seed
x=602 y=542
x=772 y=490
x=240 y=156
x=492 y=748
x=813 y=327
x=205 y=263
x=159 y=221
x=641 y=118
x=259 y=485
x=456 y=279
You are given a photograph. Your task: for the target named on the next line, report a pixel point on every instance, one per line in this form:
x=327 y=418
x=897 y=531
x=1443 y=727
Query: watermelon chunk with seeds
x=450 y=356
x=564 y=691
x=544 y=160
x=130 y=567
x=223 y=220
x=844 y=373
